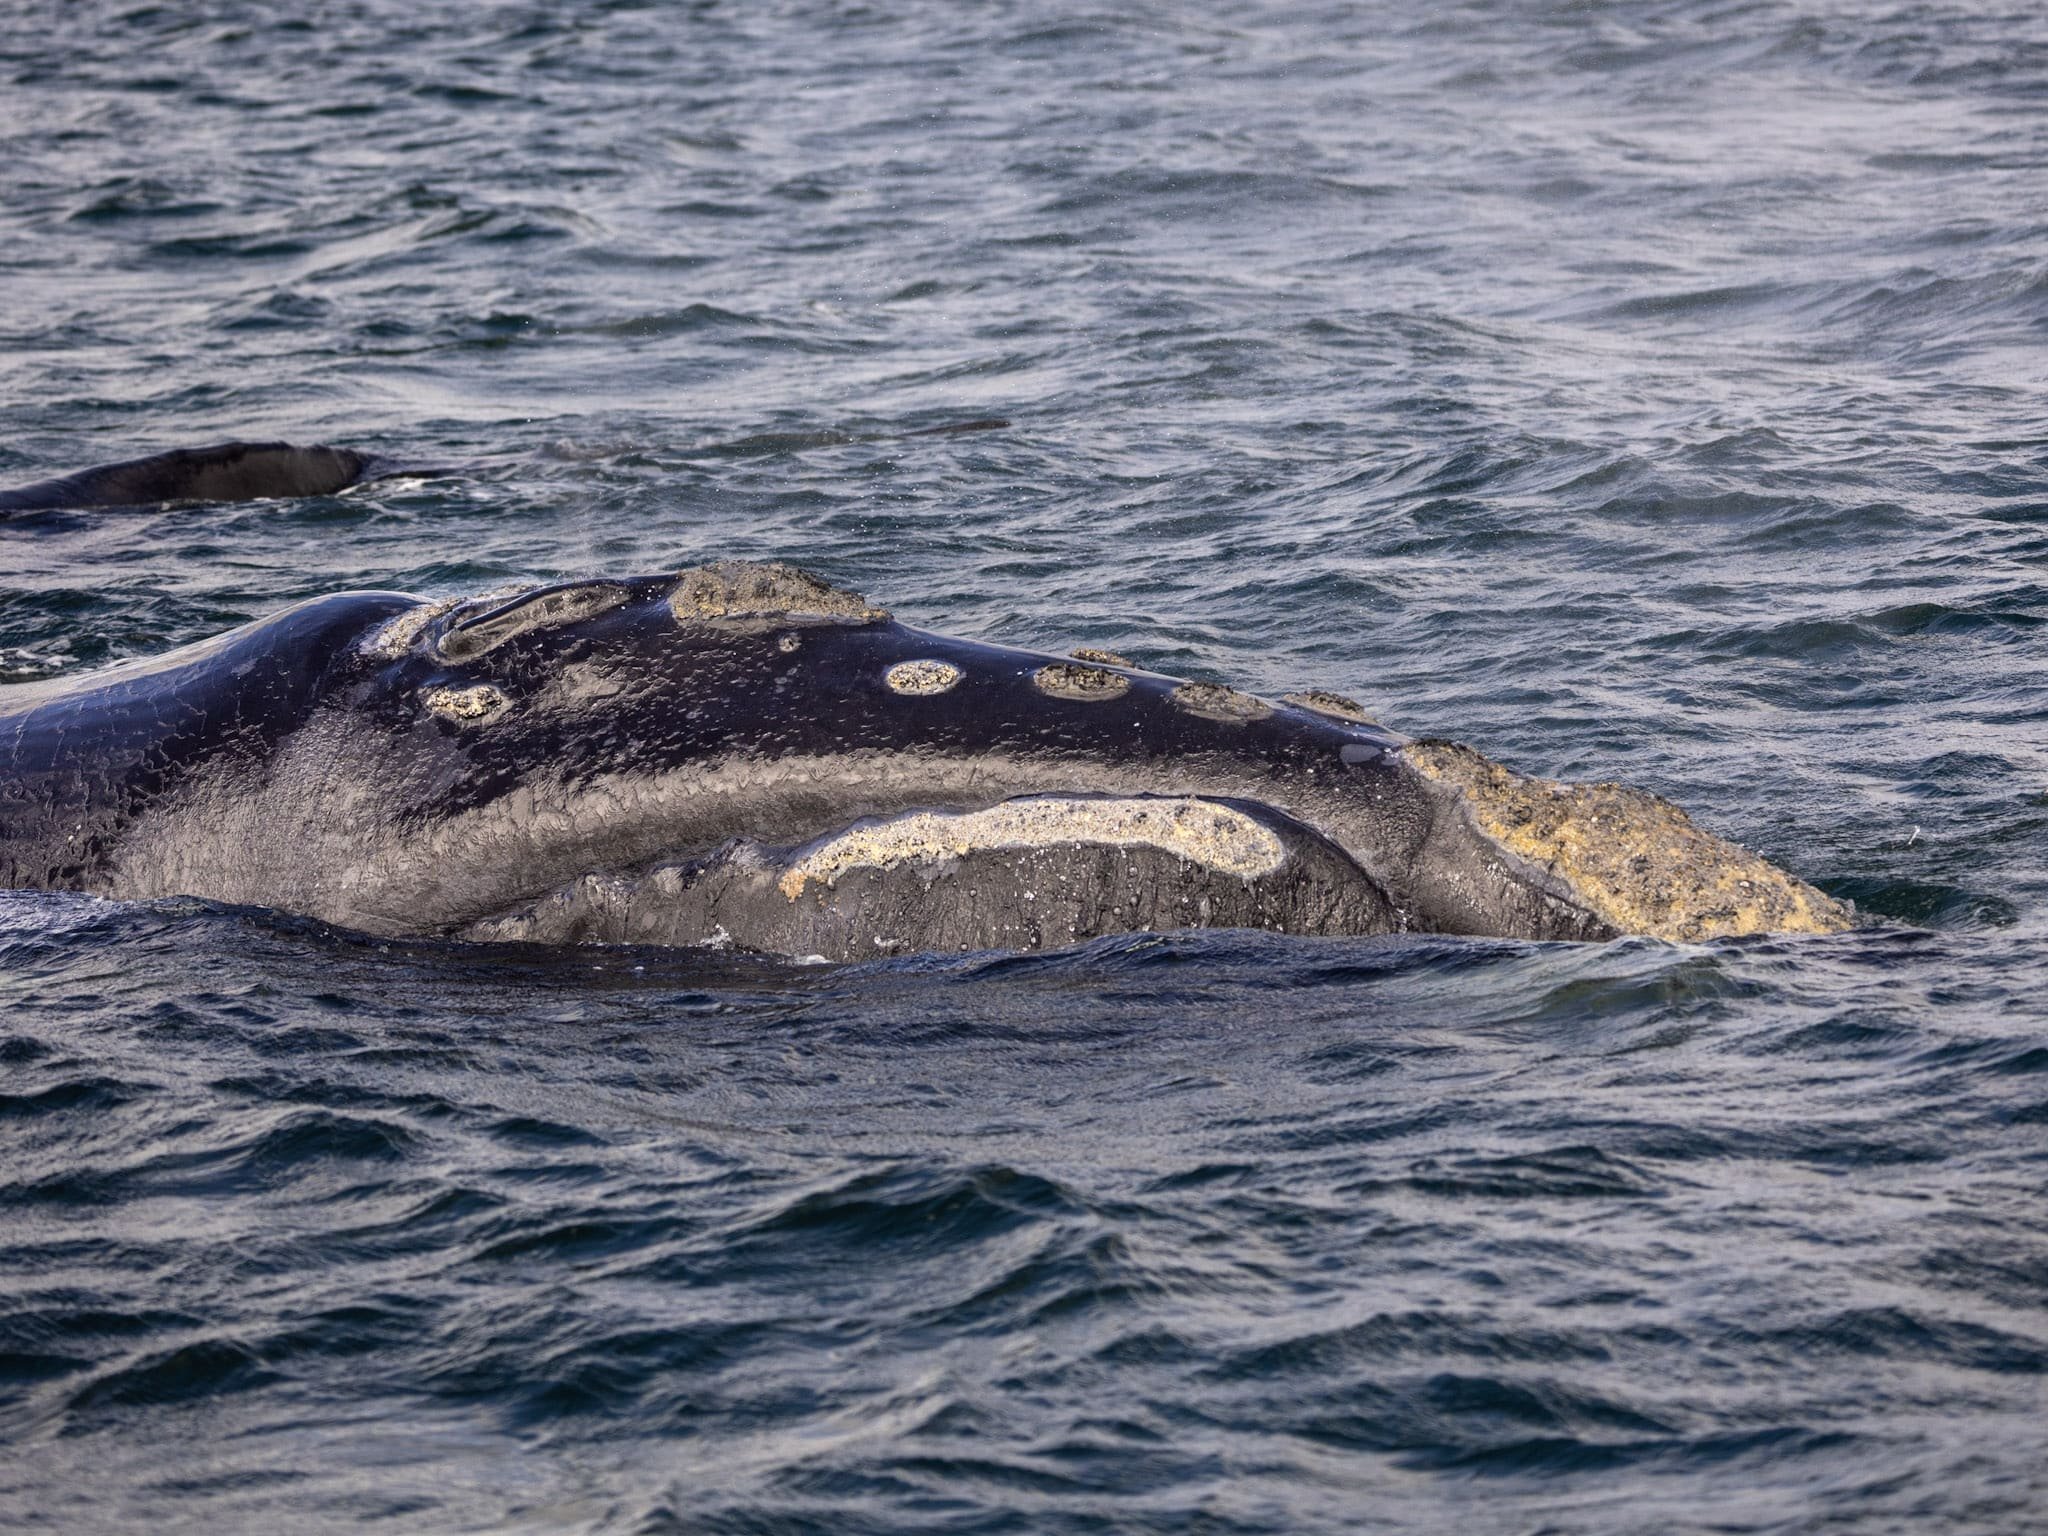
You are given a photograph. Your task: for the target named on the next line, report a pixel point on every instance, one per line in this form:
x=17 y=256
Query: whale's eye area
x=471 y=636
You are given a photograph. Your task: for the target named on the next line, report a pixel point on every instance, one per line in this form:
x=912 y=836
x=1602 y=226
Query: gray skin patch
x=922 y=677
x=1214 y=701
x=1066 y=680
x=466 y=706
x=738 y=591
x=473 y=634
x=1335 y=705
x=1101 y=658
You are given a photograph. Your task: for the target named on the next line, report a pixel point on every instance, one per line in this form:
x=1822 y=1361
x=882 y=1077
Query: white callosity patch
x=922 y=676
x=1201 y=831
x=472 y=633
x=739 y=591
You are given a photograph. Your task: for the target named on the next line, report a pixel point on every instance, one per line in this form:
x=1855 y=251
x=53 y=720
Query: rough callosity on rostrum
x=1634 y=860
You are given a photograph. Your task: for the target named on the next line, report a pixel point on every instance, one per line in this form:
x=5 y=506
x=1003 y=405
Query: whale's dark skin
x=717 y=758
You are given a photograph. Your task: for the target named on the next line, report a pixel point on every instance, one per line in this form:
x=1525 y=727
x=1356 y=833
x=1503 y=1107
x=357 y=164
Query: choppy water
x=1645 y=390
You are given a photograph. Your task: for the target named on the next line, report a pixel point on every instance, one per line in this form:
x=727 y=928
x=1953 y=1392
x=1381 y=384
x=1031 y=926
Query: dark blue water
x=1648 y=391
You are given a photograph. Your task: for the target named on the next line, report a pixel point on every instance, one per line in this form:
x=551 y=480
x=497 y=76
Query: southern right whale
x=222 y=472
x=745 y=754
x=236 y=471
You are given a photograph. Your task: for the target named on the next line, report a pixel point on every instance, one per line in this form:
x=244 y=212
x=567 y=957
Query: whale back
x=223 y=472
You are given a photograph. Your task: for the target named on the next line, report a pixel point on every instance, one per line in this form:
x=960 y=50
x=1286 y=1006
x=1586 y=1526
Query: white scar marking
x=1200 y=831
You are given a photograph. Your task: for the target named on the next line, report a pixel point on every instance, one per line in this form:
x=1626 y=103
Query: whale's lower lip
x=1025 y=873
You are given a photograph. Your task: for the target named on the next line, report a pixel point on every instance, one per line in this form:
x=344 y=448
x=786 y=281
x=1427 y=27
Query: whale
x=222 y=472
x=746 y=755
x=238 y=471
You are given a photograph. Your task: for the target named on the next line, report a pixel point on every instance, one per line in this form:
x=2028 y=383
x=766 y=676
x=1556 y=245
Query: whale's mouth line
x=1028 y=872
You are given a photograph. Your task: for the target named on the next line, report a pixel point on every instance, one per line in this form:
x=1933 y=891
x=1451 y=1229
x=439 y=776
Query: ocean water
x=1647 y=390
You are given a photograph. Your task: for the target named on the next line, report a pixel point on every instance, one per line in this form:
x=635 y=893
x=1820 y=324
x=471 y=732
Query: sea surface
x=1652 y=390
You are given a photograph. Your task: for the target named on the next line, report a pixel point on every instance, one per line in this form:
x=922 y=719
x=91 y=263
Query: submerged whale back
x=224 y=472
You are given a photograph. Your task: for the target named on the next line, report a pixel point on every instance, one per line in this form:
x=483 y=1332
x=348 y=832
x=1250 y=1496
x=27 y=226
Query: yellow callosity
x=1335 y=705
x=1629 y=857
x=1216 y=701
x=743 y=589
x=1072 y=680
x=465 y=706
